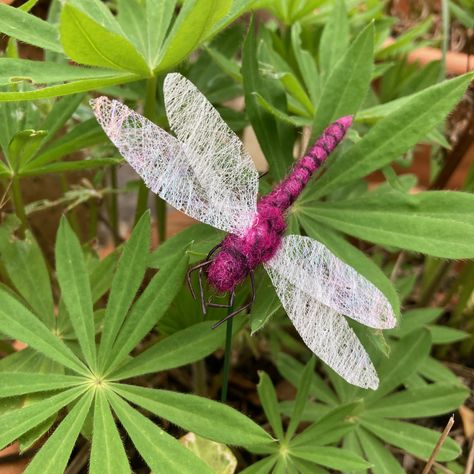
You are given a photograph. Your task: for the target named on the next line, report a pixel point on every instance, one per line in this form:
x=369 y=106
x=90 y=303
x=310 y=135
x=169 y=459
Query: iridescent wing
x=316 y=289
x=204 y=172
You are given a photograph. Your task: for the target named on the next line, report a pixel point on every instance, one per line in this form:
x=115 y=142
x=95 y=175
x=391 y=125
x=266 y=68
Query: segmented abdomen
x=290 y=188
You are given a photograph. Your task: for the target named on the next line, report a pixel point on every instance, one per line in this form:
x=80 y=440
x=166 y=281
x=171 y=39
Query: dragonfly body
x=241 y=254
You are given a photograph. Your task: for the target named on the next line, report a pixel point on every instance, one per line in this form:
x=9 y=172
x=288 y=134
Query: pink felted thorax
x=239 y=255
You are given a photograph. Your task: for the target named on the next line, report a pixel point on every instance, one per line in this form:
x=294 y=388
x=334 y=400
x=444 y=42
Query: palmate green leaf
x=54 y=455
x=17 y=322
x=74 y=282
x=159 y=14
x=334 y=458
x=269 y=401
x=306 y=64
x=160 y=451
x=128 y=277
x=412 y=438
x=18 y=421
x=68 y=166
x=100 y=12
x=291 y=370
x=17 y=383
x=415 y=319
x=438 y=223
x=382 y=459
x=264 y=466
x=426 y=401
x=28 y=28
x=349 y=254
x=181 y=348
x=25 y=266
x=395 y=134
x=193 y=25
x=132 y=17
x=348 y=83
x=83 y=135
x=23 y=145
x=335 y=37
x=107 y=452
x=204 y=417
x=73 y=87
x=446 y=335
x=148 y=309
x=275 y=138
x=60 y=113
x=406 y=356
x=15 y=71
x=88 y=42
x=266 y=304
x=304 y=386
x=330 y=428
x=435 y=371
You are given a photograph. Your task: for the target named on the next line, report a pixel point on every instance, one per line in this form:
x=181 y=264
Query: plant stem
x=113 y=206
x=227 y=356
x=17 y=198
x=160 y=210
x=445 y=43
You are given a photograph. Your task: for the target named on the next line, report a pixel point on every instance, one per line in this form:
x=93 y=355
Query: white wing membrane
x=204 y=173
x=313 y=268
x=315 y=287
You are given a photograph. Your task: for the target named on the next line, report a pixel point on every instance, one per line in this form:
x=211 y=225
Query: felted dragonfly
x=205 y=172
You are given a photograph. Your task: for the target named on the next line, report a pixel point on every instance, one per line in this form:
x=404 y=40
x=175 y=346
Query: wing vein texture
x=208 y=177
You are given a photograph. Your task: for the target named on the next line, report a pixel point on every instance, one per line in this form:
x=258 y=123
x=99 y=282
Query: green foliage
x=91 y=325
x=127 y=320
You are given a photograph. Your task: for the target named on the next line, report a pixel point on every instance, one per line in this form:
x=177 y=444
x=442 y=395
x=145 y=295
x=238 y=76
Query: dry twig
x=440 y=442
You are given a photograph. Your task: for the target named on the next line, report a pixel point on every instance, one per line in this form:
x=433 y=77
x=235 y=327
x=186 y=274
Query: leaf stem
x=18 y=203
x=227 y=356
x=113 y=207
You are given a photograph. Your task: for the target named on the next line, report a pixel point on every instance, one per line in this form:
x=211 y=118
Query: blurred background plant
x=385 y=205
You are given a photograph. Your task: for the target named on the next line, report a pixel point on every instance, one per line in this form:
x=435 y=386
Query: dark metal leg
x=189 y=273
x=217 y=305
x=242 y=308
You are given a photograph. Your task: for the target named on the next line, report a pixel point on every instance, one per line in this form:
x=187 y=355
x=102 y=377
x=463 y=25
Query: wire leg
x=242 y=308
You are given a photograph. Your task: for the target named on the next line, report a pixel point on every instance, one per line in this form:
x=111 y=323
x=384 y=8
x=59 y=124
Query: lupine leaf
x=75 y=289
x=18 y=421
x=107 y=452
x=194 y=23
x=382 y=459
x=268 y=399
x=148 y=309
x=426 y=401
x=87 y=42
x=174 y=351
x=348 y=83
x=28 y=28
x=17 y=383
x=127 y=279
x=437 y=223
x=26 y=268
x=72 y=87
x=18 y=322
x=197 y=414
x=160 y=451
x=412 y=438
x=395 y=134
x=335 y=37
x=53 y=456
x=334 y=458
x=405 y=357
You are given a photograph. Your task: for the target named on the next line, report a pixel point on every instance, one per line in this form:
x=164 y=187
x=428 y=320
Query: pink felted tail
x=290 y=188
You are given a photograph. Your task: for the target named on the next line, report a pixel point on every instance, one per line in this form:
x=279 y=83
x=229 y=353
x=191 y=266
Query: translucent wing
x=315 y=287
x=206 y=175
x=313 y=268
